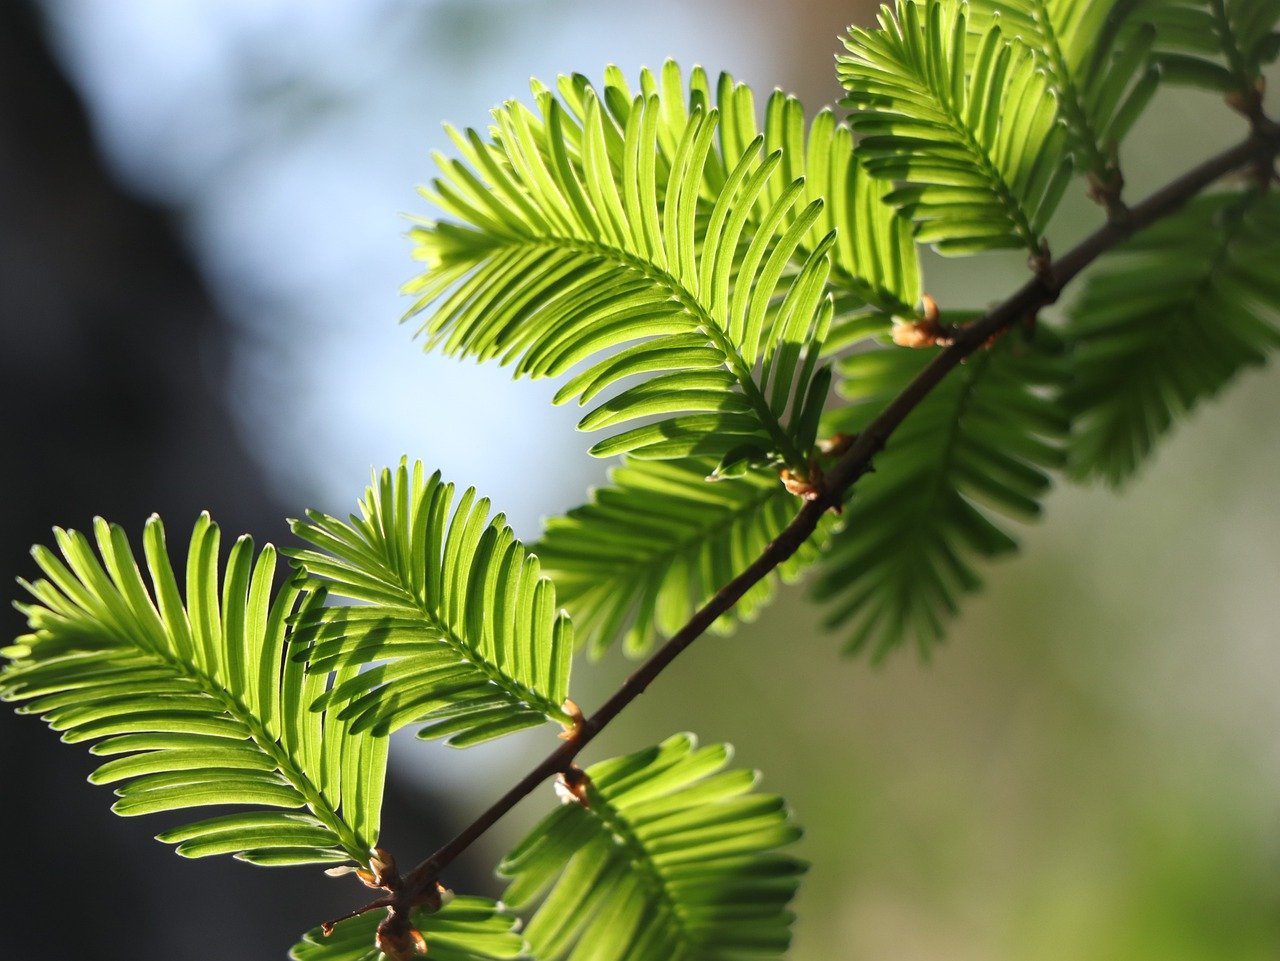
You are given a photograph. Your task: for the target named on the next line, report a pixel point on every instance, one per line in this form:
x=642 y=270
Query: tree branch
x=1261 y=146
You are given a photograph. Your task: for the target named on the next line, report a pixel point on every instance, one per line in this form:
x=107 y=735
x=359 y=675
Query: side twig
x=1261 y=147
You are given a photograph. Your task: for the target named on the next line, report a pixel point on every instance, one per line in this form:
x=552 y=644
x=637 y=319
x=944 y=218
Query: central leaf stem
x=705 y=322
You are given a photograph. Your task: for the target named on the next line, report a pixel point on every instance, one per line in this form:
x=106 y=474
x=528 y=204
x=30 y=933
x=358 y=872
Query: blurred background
x=201 y=244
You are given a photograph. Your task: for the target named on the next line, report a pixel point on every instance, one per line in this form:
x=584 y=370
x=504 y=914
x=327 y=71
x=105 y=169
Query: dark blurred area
x=110 y=382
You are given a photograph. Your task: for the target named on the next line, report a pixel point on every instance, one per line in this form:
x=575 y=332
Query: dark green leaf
x=979 y=445
x=1221 y=45
x=1166 y=321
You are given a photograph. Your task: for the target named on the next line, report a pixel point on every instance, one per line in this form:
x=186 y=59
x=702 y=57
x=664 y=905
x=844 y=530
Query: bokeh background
x=201 y=243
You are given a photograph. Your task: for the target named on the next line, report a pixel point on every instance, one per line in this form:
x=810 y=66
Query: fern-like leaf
x=978 y=445
x=654 y=546
x=874 y=260
x=1168 y=320
x=1218 y=45
x=971 y=134
x=1096 y=67
x=196 y=703
x=670 y=858
x=467 y=631
x=577 y=242
x=465 y=929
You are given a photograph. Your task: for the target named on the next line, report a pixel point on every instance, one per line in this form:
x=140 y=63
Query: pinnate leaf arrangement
x=702 y=282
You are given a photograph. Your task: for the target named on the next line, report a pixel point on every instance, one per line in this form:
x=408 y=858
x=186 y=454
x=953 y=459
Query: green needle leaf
x=966 y=125
x=1168 y=320
x=465 y=929
x=978 y=446
x=670 y=857
x=195 y=700
x=667 y=238
x=465 y=629
x=1218 y=45
x=655 y=544
x=1095 y=59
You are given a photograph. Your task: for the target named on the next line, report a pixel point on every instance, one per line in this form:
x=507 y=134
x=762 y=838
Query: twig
x=1261 y=146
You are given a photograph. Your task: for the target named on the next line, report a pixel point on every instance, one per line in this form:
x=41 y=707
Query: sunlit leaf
x=671 y=857
x=965 y=124
x=193 y=698
x=466 y=632
x=657 y=542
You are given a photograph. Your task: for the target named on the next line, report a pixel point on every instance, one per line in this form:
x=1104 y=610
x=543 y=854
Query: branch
x=1261 y=147
x=1041 y=291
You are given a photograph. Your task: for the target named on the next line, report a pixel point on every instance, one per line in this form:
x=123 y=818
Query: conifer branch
x=1260 y=148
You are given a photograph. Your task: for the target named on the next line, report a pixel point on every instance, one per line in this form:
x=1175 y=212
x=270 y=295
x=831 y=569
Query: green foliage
x=981 y=444
x=467 y=632
x=587 y=230
x=1166 y=321
x=197 y=704
x=1095 y=66
x=1218 y=45
x=966 y=124
x=670 y=858
x=694 y=272
x=653 y=546
x=873 y=260
x=465 y=929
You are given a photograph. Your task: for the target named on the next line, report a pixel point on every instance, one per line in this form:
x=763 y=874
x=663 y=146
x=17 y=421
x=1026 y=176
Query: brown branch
x=1262 y=146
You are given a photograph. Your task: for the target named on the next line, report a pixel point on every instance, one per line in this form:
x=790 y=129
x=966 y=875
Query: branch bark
x=1261 y=147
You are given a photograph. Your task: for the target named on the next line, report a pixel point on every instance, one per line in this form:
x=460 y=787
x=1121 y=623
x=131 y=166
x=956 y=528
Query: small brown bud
x=571 y=786
x=383 y=866
x=928 y=331
x=575 y=713
x=917 y=334
x=432 y=898
x=1041 y=261
x=398 y=939
x=931 y=311
x=799 y=484
x=1249 y=103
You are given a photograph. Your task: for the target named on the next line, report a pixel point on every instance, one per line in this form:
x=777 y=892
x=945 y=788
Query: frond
x=196 y=704
x=465 y=929
x=670 y=858
x=576 y=244
x=1168 y=320
x=966 y=125
x=466 y=631
x=654 y=545
x=1219 y=45
x=978 y=446
x=1096 y=64
x=873 y=260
